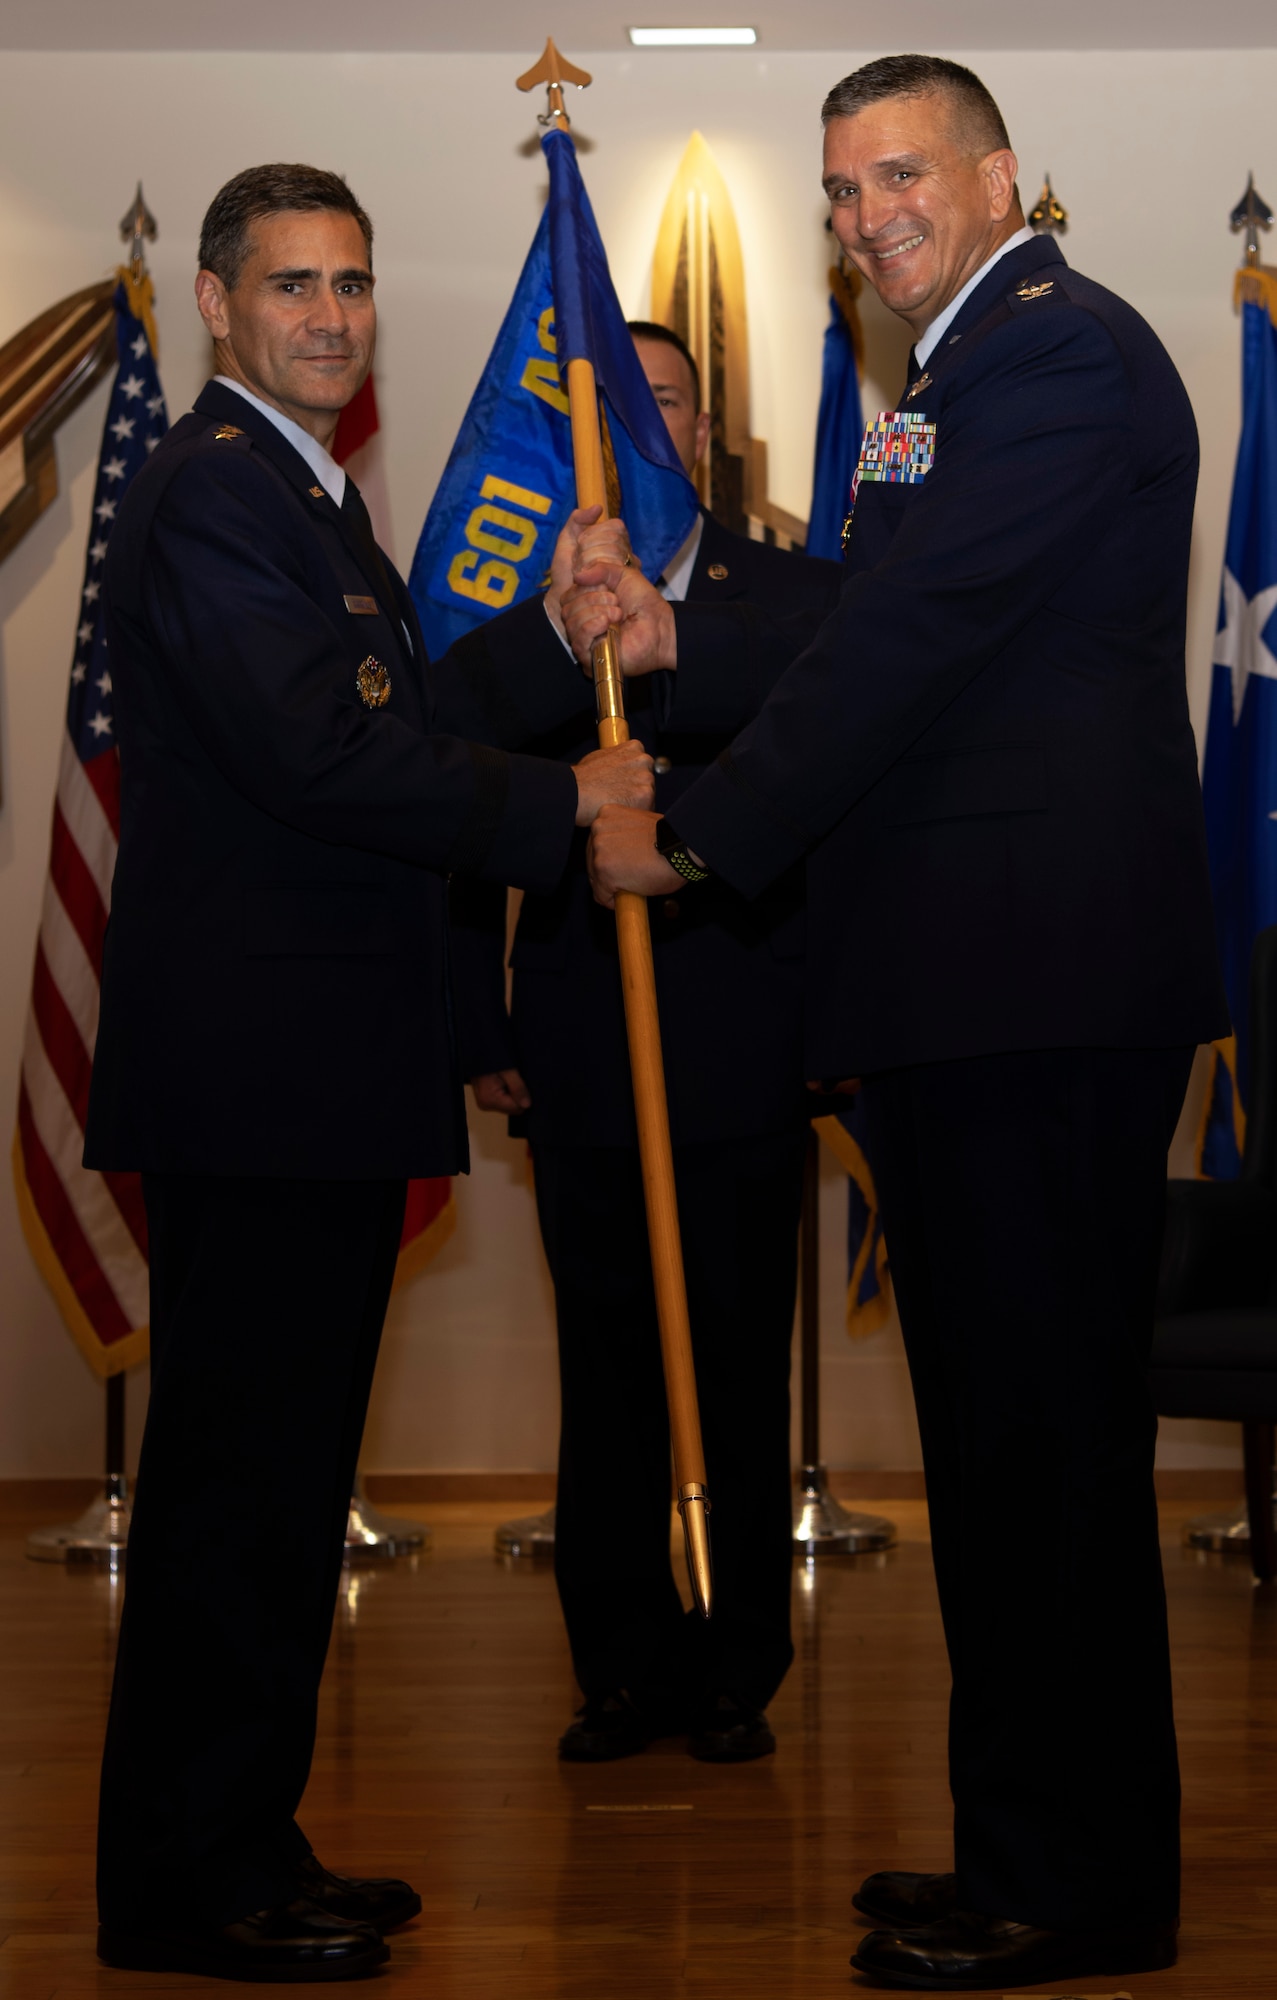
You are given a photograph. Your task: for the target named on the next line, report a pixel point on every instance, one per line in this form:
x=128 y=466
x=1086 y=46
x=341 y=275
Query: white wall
x=1149 y=152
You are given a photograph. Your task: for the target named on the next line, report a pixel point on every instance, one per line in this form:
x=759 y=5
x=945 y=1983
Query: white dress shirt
x=940 y=325
x=326 y=469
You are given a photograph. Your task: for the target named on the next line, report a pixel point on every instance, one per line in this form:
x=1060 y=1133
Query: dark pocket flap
x=961 y=784
x=320 y=920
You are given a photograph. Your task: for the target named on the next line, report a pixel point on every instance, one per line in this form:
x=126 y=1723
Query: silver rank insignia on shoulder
x=1036 y=291
x=373 y=683
x=362 y=607
x=225 y=431
x=923 y=382
x=717 y=571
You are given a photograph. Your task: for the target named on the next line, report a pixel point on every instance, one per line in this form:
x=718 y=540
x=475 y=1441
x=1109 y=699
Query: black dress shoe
x=297 y=1943
x=966 y=1952
x=725 y=1732
x=379 y=1900
x=903 y=1901
x=607 y=1726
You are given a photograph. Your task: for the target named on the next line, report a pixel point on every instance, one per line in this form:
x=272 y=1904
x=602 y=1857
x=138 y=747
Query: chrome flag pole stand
x=102 y=1531
x=530 y=1535
x=372 y=1536
x=822 y=1525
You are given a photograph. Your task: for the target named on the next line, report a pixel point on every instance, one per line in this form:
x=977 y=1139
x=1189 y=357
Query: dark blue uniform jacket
x=276 y=996
x=986 y=751
x=729 y=970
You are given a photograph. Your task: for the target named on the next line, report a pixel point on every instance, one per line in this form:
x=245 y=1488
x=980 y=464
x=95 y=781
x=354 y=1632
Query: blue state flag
x=838 y=429
x=1239 y=781
x=509 y=485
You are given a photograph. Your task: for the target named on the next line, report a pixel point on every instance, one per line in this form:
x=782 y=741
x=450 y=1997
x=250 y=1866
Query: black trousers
x=1023 y=1200
x=738 y=1211
x=267 y=1300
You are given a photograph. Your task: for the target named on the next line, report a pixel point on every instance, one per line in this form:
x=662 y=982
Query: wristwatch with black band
x=673 y=849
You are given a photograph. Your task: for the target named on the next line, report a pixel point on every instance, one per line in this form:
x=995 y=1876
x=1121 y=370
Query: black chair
x=1215 y=1341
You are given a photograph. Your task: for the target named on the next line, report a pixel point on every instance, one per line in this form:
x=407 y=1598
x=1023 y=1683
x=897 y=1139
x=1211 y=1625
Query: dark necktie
x=912 y=373
x=359 y=521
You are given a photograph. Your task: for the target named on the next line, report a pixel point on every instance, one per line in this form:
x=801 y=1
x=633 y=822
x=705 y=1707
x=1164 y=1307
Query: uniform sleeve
x=730 y=657
x=477 y=923
x=511 y=680
x=1034 y=452
x=262 y=675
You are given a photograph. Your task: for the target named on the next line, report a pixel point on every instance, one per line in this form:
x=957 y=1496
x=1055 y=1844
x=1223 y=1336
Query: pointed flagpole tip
x=1049 y=217
x=1251 y=214
x=553 y=70
x=138 y=226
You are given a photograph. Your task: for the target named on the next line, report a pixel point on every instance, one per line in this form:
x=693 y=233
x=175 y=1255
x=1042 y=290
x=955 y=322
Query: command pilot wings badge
x=1036 y=291
x=923 y=382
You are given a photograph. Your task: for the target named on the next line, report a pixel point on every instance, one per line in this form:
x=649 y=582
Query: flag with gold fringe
x=1239 y=779
x=868 y=1273
x=86 y=1230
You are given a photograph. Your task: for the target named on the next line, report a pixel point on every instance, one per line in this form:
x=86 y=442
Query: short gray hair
x=226 y=237
x=975 y=113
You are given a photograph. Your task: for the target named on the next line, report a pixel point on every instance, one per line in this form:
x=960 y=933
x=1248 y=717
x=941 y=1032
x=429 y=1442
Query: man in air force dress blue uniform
x=276 y=1057
x=986 y=756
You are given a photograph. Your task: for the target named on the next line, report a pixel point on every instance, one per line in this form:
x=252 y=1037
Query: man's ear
x=210 y=297
x=1000 y=170
x=702 y=436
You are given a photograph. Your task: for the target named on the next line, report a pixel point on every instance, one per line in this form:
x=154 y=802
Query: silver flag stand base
x=531 y=1535
x=372 y=1536
x=824 y=1527
x=1218 y=1532
x=99 y=1536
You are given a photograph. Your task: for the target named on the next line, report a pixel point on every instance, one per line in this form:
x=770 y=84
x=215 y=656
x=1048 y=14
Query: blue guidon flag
x=1239 y=780
x=509 y=485
x=87 y=1230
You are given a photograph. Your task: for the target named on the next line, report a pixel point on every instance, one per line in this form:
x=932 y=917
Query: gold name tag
x=363 y=607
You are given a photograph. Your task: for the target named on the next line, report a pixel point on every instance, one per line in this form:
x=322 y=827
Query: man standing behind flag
x=729 y=983
x=275 y=1057
x=987 y=757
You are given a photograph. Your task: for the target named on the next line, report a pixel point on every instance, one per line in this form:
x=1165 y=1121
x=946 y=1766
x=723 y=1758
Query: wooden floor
x=654 y=1878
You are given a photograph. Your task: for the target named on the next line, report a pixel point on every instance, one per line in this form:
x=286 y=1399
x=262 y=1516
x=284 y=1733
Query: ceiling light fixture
x=693 y=38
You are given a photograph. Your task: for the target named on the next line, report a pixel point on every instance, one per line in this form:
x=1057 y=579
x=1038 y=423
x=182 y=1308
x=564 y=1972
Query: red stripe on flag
x=357 y=423
x=67 y=1054
x=70 y=1244
x=73 y=1067
x=126 y=1192
x=426 y=1200
x=103 y=773
x=77 y=889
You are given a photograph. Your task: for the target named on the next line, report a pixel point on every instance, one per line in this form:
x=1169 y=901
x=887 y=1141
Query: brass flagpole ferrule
x=694 y=1507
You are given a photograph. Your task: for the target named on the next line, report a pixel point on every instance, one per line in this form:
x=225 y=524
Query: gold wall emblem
x=373 y=683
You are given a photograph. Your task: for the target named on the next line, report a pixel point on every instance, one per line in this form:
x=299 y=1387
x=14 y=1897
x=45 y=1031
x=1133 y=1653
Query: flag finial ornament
x=1252 y=214
x=553 y=70
x=138 y=226
x=1048 y=215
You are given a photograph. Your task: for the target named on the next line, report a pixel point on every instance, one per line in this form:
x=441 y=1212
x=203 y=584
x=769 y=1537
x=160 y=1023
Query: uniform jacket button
x=672 y=908
x=660 y=765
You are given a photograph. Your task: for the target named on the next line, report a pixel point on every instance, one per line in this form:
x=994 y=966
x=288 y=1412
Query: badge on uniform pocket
x=373 y=683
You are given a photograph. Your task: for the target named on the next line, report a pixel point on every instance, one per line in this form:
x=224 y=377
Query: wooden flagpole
x=634 y=940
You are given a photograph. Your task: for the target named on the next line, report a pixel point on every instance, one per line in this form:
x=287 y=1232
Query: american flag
x=86 y=1230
